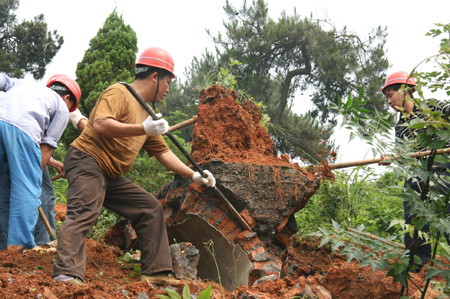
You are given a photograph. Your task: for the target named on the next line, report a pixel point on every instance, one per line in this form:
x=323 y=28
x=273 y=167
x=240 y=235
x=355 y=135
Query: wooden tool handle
x=55 y=177
x=46 y=224
x=316 y=168
x=183 y=124
x=376 y=160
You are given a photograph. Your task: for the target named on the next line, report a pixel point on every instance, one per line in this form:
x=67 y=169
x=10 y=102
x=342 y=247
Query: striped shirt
x=403 y=132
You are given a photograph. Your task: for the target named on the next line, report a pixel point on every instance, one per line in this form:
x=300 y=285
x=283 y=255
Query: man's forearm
x=46 y=153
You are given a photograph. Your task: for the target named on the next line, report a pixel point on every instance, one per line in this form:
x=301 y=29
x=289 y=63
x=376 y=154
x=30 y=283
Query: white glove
x=75 y=118
x=155 y=127
x=209 y=181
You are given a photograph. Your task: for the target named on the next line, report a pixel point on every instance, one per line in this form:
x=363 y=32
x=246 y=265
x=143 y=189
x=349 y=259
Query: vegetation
x=109 y=59
x=273 y=61
x=294 y=57
x=356 y=197
x=26 y=47
x=205 y=294
x=430 y=203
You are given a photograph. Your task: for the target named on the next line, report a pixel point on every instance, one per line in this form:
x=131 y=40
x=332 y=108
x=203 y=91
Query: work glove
x=209 y=181
x=155 y=127
x=75 y=118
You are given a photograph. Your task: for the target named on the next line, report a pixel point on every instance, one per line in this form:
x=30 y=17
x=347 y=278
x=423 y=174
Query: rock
x=265 y=278
x=142 y=295
x=255 y=295
x=185 y=259
x=308 y=291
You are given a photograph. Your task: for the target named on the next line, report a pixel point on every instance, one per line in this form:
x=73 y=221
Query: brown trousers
x=89 y=190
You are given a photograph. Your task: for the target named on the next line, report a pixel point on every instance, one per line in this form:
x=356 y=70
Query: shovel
x=191 y=160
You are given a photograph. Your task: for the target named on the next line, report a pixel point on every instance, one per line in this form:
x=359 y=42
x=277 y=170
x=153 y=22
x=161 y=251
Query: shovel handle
x=376 y=160
x=55 y=177
x=315 y=168
x=46 y=224
x=183 y=124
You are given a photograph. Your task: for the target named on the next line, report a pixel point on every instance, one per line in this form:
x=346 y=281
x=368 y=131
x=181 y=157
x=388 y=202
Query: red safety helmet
x=399 y=77
x=156 y=57
x=71 y=85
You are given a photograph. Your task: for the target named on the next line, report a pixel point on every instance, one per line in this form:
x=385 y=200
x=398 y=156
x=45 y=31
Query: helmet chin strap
x=156 y=93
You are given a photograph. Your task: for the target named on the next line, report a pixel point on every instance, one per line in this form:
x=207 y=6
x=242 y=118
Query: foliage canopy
x=109 y=59
x=25 y=47
x=296 y=58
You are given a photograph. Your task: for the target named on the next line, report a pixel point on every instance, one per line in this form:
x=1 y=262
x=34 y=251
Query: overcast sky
x=179 y=27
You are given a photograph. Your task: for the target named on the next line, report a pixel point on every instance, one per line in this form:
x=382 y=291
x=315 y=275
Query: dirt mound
x=28 y=274
x=231 y=131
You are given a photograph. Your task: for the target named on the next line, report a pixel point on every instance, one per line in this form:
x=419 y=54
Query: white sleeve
x=6 y=83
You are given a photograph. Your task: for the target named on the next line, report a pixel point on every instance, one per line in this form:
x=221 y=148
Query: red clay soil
x=26 y=275
x=231 y=131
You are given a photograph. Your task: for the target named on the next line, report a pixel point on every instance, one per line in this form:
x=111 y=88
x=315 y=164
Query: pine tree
x=26 y=47
x=110 y=58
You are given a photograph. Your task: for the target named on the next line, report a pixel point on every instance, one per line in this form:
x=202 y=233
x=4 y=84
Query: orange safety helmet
x=155 y=57
x=399 y=77
x=71 y=85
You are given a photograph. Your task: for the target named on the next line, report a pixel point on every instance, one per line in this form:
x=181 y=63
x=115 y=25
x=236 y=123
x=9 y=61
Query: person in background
x=32 y=119
x=117 y=129
x=41 y=235
x=403 y=100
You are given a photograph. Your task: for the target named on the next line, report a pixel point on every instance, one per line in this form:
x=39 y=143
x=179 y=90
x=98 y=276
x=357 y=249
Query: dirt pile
x=27 y=275
x=231 y=132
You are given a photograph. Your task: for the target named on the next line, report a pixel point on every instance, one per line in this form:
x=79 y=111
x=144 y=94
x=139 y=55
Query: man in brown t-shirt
x=117 y=129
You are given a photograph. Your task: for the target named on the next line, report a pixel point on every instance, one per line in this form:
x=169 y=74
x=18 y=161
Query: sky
x=179 y=26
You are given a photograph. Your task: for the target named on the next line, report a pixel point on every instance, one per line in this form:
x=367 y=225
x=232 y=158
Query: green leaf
x=431 y=130
x=443 y=134
x=205 y=294
x=437 y=144
x=390 y=255
x=431 y=273
x=127 y=257
x=419 y=223
x=423 y=139
x=186 y=291
x=417 y=123
x=324 y=241
x=173 y=294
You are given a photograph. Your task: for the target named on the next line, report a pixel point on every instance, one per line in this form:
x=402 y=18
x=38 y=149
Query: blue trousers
x=41 y=235
x=20 y=187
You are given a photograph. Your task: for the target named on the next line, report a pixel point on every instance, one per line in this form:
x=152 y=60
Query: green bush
x=355 y=197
